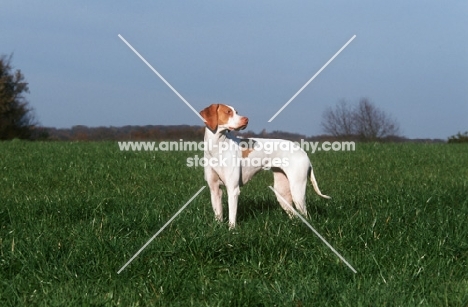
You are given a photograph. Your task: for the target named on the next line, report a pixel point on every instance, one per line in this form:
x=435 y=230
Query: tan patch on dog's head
x=210 y=115
x=224 y=114
x=216 y=114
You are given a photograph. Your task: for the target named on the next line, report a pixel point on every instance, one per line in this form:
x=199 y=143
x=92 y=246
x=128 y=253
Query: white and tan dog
x=234 y=161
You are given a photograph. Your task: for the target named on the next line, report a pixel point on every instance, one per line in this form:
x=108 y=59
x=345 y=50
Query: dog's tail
x=314 y=183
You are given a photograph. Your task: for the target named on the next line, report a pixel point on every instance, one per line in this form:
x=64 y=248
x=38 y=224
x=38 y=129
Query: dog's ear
x=210 y=115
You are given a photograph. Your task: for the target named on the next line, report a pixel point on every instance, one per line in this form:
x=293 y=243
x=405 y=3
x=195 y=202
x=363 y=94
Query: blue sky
x=409 y=57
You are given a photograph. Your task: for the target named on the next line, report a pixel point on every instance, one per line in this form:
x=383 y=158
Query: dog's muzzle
x=244 y=122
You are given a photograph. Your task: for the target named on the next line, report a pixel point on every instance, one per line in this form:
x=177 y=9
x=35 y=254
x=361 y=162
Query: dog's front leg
x=214 y=182
x=233 y=197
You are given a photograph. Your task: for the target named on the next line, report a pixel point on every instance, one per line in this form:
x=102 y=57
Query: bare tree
x=373 y=123
x=16 y=117
x=340 y=121
x=365 y=121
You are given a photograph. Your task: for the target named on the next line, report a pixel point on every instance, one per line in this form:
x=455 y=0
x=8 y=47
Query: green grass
x=71 y=214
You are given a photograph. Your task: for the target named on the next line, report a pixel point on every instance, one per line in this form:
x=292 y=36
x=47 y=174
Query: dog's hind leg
x=298 y=191
x=282 y=186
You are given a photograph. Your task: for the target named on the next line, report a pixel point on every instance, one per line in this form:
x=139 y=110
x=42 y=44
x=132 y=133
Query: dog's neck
x=219 y=136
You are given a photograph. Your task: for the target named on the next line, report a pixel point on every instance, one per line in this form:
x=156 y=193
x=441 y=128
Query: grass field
x=71 y=214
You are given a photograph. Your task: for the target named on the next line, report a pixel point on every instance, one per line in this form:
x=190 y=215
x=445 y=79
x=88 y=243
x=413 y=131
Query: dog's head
x=223 y=117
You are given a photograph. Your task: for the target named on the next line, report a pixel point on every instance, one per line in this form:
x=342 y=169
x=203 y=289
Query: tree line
x=361 y=122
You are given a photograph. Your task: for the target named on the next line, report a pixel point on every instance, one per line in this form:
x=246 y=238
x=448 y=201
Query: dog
x=232 y=162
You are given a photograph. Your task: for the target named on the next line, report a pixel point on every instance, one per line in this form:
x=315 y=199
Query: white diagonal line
x=161 y=77
x=315 y=231
x=160 y=230
x=311 y=79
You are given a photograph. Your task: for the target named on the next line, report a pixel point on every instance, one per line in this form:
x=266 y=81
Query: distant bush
x=459 y=138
